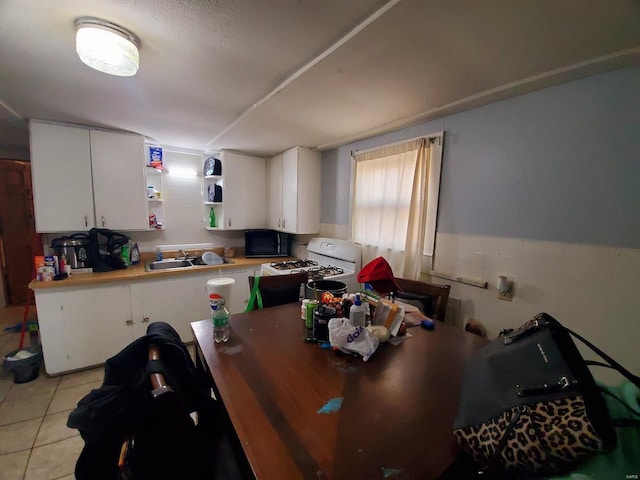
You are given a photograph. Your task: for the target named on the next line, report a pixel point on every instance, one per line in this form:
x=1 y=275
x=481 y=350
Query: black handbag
x=530 y=405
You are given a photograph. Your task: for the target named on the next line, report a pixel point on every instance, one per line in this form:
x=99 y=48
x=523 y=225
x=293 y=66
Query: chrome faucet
x=182 y=253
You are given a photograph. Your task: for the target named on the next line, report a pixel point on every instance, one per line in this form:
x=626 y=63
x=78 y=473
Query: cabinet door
x=83 y=327
x=274 y=192
x=308 y=192
x=177 y=302
x=244 y=192
x=290 y=190
x=119 y=182
x=61 y=172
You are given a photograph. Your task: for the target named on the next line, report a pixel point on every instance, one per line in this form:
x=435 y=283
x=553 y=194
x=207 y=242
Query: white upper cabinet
x=119 y=182
x=240 y=201
x=274 y=192
x=293 y=178
x=86 y=178
x=61 y=175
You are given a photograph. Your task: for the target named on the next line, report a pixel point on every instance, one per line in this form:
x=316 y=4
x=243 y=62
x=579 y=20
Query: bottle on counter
x=220 y=318
x=124 y=255
x=356 y=313
x=303 y=309
x=135 y=254
x=212 y=218
x=312 y=306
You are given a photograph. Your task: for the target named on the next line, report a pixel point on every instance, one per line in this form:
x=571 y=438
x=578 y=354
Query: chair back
x=432 y=297
x=280 y=289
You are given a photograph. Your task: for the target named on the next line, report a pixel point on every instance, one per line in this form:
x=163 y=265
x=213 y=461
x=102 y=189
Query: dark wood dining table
x=300 y=411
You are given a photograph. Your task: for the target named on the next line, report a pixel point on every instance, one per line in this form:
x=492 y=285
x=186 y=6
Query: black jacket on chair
x=167 y=442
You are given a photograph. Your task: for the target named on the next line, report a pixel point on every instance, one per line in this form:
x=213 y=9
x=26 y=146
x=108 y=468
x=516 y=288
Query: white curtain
x=389 y=205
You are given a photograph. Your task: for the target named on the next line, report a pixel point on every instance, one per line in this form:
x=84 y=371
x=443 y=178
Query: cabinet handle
x=86 y=221
x=103 y=222
x=129 y=322
x=283 y=223
x=229 y=222
x=145 y=320
x=278 y=223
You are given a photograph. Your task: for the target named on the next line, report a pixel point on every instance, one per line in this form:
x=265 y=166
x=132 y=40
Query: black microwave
x=266 y=243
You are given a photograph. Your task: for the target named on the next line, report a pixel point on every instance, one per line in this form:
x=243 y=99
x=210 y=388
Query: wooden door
x=19 y=242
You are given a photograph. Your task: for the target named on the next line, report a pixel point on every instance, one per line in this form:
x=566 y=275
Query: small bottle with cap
x=303 y=309
x=356 y=313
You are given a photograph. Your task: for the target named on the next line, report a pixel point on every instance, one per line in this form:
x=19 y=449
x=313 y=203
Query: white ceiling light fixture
x=107 y=47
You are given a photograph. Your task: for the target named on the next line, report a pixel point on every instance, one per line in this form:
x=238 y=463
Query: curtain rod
x=432 y=137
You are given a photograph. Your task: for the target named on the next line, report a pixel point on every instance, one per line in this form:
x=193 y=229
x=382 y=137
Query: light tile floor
x=35 y=442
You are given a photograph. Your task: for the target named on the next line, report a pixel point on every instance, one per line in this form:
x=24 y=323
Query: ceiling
x=262 y=76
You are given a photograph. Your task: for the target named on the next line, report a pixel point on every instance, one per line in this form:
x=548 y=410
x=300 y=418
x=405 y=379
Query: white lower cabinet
x=85 y=326
x=177 y=302
x=183 y=300
x=240 y=291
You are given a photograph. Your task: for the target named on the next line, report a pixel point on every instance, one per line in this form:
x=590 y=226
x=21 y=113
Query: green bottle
x=212 y=218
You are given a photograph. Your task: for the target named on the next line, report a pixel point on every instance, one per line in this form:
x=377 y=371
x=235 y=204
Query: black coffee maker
x=104 y=249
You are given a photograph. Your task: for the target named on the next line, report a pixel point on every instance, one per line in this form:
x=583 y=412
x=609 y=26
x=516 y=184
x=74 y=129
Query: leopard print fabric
x=549 y=437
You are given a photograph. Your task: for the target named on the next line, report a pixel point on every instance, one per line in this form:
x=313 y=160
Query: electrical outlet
x=508 y=295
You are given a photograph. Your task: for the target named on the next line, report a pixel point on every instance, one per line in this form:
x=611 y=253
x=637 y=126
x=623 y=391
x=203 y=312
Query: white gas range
x=327 y=259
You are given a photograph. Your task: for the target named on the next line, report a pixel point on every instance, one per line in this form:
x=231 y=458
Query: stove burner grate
x=318 y=273
x=293 y=264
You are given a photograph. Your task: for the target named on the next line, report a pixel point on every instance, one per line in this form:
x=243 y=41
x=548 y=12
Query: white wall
x=594 y=290
x=543 y=188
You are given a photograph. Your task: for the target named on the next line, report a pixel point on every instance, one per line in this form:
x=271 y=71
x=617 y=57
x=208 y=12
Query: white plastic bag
x=349 y=339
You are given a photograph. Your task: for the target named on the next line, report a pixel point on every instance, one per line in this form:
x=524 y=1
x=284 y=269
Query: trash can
x=24 y=368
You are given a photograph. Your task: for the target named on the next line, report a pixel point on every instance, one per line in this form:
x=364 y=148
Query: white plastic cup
x=221 y=286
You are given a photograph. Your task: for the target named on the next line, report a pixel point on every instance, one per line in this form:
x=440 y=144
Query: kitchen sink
x=167 y=264
x=171 y=263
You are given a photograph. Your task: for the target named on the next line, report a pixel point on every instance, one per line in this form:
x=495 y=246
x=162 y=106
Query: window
x=394 y=203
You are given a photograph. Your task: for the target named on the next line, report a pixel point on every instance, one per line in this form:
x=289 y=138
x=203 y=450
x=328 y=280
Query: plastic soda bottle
x=220 y=318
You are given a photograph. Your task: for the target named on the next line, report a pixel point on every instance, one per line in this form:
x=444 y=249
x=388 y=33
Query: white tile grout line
x=39 y=427
x=26 y=467
x=12 y=336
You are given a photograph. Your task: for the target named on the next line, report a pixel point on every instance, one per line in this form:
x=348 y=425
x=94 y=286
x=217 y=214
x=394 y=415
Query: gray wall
x=560 y=164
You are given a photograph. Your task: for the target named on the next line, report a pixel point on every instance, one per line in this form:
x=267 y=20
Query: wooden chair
x=280 y=289
x=432 y=298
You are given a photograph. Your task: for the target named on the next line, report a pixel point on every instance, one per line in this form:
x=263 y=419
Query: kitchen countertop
x=137 y=272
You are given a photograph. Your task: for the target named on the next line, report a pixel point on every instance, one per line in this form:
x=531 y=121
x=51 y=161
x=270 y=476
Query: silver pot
x=316 y=288
x=75 y=249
